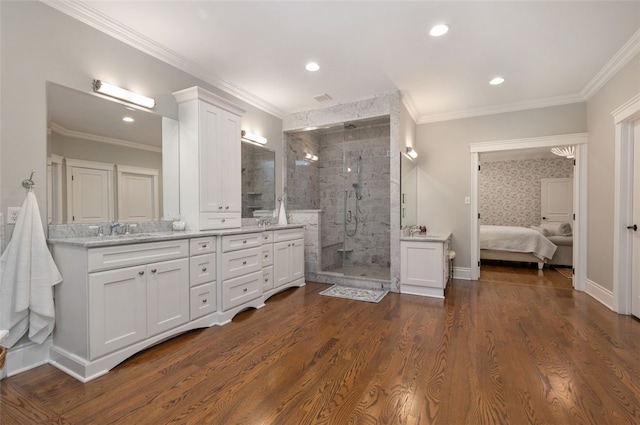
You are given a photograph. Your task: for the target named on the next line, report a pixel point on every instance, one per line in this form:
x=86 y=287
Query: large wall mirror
x=258 y=181
x=105 y=161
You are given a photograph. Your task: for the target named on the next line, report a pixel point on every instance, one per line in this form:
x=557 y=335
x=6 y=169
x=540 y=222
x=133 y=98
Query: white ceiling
x=550 y=52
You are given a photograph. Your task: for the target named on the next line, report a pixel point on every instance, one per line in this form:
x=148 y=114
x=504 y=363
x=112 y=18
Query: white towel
x=282 y=217
x=27 y=276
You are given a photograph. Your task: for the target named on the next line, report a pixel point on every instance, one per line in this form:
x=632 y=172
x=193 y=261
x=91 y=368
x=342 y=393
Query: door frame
x=579 y=140
x=624 y=118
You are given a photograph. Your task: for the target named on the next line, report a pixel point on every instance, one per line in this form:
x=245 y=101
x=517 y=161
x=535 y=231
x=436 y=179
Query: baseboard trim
x=599 y=293
x=25 y=357
x=462 y=273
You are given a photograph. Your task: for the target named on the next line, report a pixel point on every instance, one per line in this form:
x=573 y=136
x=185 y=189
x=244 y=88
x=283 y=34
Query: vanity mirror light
x=105 y=160
x=258 y=181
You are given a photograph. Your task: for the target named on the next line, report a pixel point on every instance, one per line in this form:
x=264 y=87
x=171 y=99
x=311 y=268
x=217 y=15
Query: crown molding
x=56 y=128
x=410 y=104
x=530 y=142
x=628 y=51
x=499 y=109
x=90 y=16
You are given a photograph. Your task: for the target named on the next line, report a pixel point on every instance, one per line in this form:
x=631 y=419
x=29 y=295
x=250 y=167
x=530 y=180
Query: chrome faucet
x=414 y=230
x=113 y=226
x=264 y=221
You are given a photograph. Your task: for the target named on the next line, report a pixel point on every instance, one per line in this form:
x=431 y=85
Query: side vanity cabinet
x=424 y=265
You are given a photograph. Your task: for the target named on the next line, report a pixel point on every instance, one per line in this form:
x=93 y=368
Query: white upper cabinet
x=210 y=176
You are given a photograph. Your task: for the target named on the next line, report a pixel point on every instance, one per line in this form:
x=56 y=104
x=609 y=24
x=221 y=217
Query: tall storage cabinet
x=210 y=163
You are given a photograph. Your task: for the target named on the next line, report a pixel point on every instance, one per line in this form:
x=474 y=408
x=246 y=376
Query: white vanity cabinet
x=209 y=160
x=117 y=300
x=267 y=261
x=424 y=265
x=202 y=276
x=288 y=258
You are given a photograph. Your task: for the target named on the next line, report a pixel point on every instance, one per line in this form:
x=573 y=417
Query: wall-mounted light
x=310 y=157
x=411 y=153
x=122 y=94
x=252 y=138
x=566 y=151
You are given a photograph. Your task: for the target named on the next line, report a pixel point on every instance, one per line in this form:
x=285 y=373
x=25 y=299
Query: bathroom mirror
x=408 y=191
x=101 y=167
x=258 y=181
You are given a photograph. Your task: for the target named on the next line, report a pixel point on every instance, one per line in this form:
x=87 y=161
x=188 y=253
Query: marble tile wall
x=59 y=231
x=302 y=174
x=312 y=228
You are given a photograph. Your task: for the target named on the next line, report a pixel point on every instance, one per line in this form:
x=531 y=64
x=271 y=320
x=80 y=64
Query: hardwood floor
x=514 y=348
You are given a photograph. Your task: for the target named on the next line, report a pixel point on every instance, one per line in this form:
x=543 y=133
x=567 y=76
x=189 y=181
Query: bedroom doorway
x=578 y=140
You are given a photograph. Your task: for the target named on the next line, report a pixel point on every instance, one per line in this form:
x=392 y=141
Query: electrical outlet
x=12 y=214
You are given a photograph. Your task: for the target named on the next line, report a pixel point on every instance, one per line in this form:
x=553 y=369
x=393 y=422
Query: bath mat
x=357 y=294
x=564 y=271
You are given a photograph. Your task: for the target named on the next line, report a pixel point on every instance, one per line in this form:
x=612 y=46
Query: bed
x=510 y=243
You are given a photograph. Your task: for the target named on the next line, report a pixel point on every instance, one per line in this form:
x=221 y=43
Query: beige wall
x=39 y=44
x=600 y=170
x=444 y=161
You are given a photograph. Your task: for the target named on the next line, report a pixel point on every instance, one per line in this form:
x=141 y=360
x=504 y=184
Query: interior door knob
x=634 y=227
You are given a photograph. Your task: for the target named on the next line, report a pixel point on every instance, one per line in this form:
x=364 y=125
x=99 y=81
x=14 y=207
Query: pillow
x=557 y=229
x=542 y=230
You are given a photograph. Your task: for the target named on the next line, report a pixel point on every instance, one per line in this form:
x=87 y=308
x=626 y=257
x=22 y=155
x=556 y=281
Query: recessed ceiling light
x=496 y=81
x=312 y=66
x=438 y=30
x=128 y=119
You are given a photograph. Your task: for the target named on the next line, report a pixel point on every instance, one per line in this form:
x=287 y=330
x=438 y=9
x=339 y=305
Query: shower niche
x=344 y=171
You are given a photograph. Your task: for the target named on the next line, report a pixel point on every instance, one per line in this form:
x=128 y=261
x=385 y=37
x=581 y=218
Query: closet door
x=557 y=200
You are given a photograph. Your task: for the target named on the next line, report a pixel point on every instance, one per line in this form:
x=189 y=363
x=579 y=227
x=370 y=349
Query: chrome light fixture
x=411 y=153
x=245 y=136
x=566 y=151
x=122 y=94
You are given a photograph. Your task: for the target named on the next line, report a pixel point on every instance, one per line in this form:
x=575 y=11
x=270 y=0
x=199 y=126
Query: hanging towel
x=282 y=217
x=27 y=276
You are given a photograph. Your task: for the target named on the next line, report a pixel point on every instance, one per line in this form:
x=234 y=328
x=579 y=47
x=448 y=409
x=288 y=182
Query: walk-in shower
x=343 y=171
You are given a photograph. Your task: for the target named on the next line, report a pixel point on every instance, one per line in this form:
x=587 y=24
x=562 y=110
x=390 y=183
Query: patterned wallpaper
x=509 y=191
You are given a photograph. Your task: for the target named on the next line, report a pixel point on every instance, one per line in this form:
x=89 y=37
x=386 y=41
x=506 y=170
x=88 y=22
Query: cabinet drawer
x=237 y=291
x=202 y=269
x=267 y=255
x=203 y=300
x=288 y=234
x=211 y=221
x=199 y=246
x=244 y=241
x=267 y=237
x=267 y=278
x=238 y=263
x=112 y=257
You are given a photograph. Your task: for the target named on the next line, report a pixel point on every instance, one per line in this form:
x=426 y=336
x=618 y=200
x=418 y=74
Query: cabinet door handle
x=204 y=301
x=244 y=263
x=244 y=241
x=153 y=270
x=220 y=207
x=266 y=280
x=204 y=245
x=141 y=273
x=226 y=208
x=244 y=290
x=204 y=269
x=223 y=220
x=266 y=255
x=289 y=245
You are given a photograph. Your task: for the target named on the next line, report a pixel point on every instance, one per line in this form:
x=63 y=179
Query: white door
x=556 y=200
x=91 y=200
x=167 y=295
x=635 y=271
x=137 y=194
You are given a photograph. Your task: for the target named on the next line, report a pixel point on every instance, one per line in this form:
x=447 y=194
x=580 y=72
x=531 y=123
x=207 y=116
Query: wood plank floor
x=514 y=348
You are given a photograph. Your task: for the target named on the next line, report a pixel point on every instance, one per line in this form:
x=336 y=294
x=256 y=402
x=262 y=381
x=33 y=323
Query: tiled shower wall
x=323 y=184
x=509 y=191
x=258 y=179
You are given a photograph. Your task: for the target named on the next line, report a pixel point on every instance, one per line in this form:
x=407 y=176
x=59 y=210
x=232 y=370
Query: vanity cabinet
x=209 y=160
x=424 y=266
x=288 y=257
x=202 y=276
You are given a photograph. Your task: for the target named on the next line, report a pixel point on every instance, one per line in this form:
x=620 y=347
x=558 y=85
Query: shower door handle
x=349 y=216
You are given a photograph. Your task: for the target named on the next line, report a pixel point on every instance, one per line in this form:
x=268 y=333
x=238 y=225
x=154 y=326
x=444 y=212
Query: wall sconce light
x=566 y=151
x=122 y=94
x=411 y=153
x=245 y=136
x=310 y=157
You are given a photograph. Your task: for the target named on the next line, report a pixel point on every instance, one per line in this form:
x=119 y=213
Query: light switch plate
x=12 y=214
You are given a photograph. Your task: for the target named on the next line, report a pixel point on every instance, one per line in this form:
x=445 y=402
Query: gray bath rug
x=357 y=294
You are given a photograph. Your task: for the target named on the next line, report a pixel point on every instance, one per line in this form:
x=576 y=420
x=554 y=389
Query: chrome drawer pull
x=204 y=269
x=204 y=301
x=153 y=270
x=204 y=245
x=223 y=220
x=140 y=273
x=244 y=263
x=244 y=241
x=245 y=289
x=226 y=208
x=220 y=207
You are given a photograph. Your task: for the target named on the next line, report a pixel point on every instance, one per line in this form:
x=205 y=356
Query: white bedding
x=516 y=239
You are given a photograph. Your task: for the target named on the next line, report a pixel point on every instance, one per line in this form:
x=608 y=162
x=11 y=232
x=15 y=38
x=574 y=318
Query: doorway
x=579 y=140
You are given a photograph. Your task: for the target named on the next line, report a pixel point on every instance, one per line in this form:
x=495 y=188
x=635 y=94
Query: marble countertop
x=98 y=241
x=426 y=237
